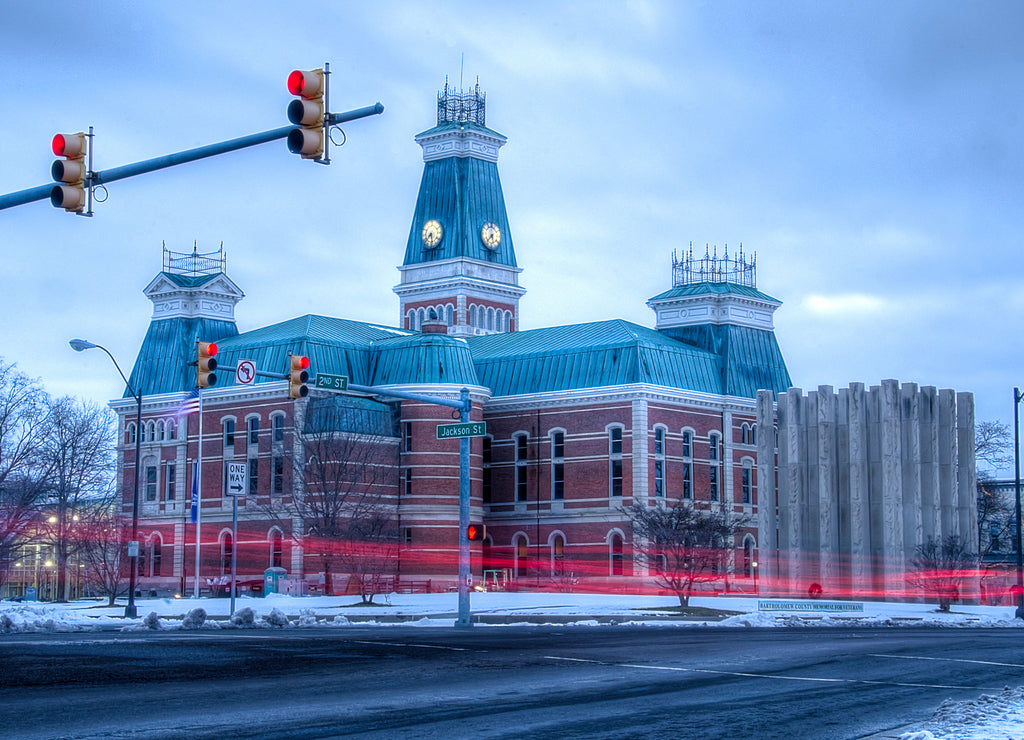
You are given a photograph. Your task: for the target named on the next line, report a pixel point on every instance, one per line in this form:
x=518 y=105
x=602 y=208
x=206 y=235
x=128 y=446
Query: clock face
x=490 y=234
x=431 y=233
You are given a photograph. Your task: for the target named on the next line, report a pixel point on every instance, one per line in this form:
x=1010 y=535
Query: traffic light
x=70 y=171
x=206 y=364
x=297 y=376
x=476 y=532
x=307 y=112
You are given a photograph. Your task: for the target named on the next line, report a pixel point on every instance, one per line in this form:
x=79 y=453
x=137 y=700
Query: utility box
x=272 y=580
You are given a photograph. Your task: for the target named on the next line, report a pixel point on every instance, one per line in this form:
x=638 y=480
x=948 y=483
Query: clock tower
x=460 y=266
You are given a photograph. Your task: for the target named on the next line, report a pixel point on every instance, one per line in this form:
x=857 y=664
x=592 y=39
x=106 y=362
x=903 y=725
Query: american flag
x=190 y=404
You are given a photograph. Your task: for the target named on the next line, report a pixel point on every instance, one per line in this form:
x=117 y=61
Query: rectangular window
x=408 y=535
x=558 y=466
x=713 y=447
x=278 y=486
x=408 y=436
x=616 y=441
x=254 y=475
x=254 y=430
x=659 y=441
x=659 y=477
x=521 y=455
x=746 y=485
x=408 y=481
x=687 y=444
x=687 y=480
x=615 y=461
x=172 y=488
x=150 y=483
x=279 y=428
x=616 y=477
x=713 y=483
x=486 y=488
x=229 y=432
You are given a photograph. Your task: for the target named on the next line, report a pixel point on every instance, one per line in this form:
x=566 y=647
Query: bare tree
x=103 y=548
x=996 y=521
x=23 y=421
x=683 y=545
x=993 y=444
x=344 y=499
x=78 y=454
x=939 y=568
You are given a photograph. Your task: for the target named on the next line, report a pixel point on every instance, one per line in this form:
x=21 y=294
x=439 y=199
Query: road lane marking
x=410 y=644
x=779 y=677
x=948 y=660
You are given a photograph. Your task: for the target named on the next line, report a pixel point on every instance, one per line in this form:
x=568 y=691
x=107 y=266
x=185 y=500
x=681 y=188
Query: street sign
x=469 y=429
x=330 y=382
x=245 y=372
x=237 y=472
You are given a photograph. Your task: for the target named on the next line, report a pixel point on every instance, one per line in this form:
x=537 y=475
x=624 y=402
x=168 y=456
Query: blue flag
x=195 y=494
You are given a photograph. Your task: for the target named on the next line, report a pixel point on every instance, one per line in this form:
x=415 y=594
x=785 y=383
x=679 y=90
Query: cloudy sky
x=869 y=153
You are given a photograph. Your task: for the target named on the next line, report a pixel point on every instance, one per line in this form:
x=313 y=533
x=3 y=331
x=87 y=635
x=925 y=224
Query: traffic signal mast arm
x=190 y=155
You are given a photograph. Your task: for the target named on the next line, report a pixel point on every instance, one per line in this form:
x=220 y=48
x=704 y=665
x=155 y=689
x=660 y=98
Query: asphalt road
x=495 y=682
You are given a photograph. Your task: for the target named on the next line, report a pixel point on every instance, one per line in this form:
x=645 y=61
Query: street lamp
x=754 y=566
x=130 y=611
x=1017 y=396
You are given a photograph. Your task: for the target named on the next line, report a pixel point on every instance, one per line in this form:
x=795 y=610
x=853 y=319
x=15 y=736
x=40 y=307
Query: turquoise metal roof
x=694 y=289
x=591 y=355
x=335 y=346
x=353 y=414
x=189 y=281
x=162 y=365
x=462 y=194
x=422 y=358
x=751 y=358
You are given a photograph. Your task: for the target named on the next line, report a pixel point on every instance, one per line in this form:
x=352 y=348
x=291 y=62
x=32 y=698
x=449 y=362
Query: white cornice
x=461 y=142
x=621 y=394
x=714 y=309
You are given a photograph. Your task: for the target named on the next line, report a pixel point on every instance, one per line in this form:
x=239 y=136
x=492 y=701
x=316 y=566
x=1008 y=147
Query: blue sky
x=869 y=153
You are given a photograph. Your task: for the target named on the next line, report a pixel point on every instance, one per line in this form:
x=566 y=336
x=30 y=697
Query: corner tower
x=714 y=304
x=193 y=300
x=459 y=265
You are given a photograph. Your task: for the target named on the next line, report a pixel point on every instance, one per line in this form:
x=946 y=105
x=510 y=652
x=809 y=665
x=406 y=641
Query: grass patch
x=691 y=611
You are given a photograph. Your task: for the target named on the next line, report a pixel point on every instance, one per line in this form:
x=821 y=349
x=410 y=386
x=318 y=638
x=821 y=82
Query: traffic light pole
x=464 y=406
x=190 y=155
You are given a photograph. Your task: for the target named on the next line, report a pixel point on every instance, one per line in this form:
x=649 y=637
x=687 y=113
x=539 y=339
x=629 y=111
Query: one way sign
x=237 y=472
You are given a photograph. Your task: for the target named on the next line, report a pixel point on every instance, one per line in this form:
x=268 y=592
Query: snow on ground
x=994 y=717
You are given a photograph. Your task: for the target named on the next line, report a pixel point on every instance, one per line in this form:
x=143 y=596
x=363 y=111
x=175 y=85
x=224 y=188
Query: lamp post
x=130 y=611
x=754 y=566
x=1017 y=396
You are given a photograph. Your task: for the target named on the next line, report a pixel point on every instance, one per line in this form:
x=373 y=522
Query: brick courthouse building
x=582 y=420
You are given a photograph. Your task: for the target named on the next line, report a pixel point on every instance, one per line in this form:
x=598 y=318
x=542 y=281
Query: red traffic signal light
x=476 y=532
x=297 y=376
x=70 y=171
x=206 y=364
x=307 y=112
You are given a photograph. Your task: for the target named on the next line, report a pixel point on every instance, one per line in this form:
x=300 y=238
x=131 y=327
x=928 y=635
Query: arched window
x=161 y=431
x=276 y=548
x=150 y=432
x=226 y=548
x=473 y=315
x=130 y=434
x=520 y=552
x=557 y=543
x=687 y=443
x=615 y=554
x=155 y=554
x=171 y=430
x=521 y=440
x=748 y=556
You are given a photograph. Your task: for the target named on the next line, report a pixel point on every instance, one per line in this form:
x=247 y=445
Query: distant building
x=582 y=420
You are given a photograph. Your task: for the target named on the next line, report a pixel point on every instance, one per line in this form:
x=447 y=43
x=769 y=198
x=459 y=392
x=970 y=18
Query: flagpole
x=198 y=485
